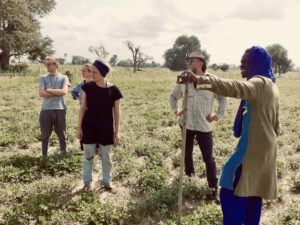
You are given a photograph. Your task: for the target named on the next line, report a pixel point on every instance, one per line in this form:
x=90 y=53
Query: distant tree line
x=224 y=67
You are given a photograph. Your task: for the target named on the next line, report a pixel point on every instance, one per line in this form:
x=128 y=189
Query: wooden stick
x=183 y=133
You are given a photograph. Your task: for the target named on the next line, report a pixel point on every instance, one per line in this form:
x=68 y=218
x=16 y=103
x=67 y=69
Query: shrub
x=37 y=201
x=88 y=210
x=69 y=75
x=280 y=168
x=176 y=160
x=123 y=170
x=12 y=174
x=151 y=180
x=196 y=189
x=21 y=67
x=204 y=215
x=289 y=215
x=61 y=164
x=26 y=169
x=157 y=203
x=295 y=163
x=296 y=183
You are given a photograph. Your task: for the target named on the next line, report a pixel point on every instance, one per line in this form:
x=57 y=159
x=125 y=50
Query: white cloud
x=225 y=28
x=259 y=10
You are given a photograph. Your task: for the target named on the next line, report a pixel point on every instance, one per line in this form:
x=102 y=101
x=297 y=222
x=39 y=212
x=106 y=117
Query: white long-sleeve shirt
x=200 y=105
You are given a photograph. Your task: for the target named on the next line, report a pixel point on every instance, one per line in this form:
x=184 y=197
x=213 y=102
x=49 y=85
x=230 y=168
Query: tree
x=280 y=61
x=99 y=50
x=224 y=67
x=134 y=50
x=125 y=63
x=79 y=60
x=61 y=61
x=20 y=30
x=183 y=46
x=142 y=58
x=151 y=64
x=214 y=66
x=113 y=60
x=154 y=64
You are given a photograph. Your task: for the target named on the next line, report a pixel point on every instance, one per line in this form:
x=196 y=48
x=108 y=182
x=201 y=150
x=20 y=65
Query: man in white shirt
x=200 y=116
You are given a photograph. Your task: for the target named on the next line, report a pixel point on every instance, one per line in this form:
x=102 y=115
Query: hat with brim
x=195 y=55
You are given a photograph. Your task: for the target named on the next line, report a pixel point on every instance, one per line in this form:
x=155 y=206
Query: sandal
x=86 y=187
x=110 y=189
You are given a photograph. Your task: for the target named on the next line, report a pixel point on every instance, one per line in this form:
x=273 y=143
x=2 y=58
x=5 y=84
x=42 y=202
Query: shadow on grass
x=25 y=168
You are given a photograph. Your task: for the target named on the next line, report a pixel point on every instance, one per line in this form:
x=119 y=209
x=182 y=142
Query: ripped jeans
x=88 y=162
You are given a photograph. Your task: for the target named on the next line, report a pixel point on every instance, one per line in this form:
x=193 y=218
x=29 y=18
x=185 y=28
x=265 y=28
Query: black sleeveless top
x=97 y=123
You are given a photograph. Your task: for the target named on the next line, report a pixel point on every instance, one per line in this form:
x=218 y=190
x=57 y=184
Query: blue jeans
x=88 y=161
x=240 y=210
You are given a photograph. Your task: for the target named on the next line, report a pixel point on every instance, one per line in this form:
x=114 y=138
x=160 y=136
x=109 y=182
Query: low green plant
x=25 y=169
x=158 y=203
x=197 y=189
x=123 y=170
x=38 y=200
x=296 y=183
x=204 y=215
x=151 y=180
x=176 y=160
x=289 y=215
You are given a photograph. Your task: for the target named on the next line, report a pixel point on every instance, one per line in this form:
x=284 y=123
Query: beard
x=244 y=73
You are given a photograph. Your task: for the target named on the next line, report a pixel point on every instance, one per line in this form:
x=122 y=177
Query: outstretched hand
x=187 y=77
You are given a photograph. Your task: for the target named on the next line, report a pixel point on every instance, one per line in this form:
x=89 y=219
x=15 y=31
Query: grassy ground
x=146 y=163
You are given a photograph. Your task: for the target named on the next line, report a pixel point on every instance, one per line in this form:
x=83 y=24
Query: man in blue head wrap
x=254 y=61
x=249 y=175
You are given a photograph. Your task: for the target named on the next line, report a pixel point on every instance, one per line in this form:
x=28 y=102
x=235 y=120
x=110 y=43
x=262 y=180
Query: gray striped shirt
x=200 y=105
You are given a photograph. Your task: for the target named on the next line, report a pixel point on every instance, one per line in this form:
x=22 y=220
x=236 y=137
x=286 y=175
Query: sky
x=225 y=28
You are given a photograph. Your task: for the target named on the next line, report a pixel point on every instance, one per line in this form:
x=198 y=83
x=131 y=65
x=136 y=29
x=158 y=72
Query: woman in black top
x=99 y=122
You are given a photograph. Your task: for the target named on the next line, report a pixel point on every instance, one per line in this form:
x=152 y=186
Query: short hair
x=52 y=59
x=88 y=67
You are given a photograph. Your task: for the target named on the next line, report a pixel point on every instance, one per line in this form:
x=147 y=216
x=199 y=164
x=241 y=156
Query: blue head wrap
x=260 y=63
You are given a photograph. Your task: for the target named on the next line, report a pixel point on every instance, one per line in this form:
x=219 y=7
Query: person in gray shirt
x=200 y=116
x=53 y=86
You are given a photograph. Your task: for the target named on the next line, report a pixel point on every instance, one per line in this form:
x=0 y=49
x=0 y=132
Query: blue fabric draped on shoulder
x=260 y=64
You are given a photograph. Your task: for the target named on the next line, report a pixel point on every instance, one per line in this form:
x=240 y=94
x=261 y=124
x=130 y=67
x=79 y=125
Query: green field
x=146 y=163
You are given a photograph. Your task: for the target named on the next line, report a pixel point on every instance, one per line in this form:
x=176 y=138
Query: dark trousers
x=50 y=119
x=240 y=210
x=205 y=142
